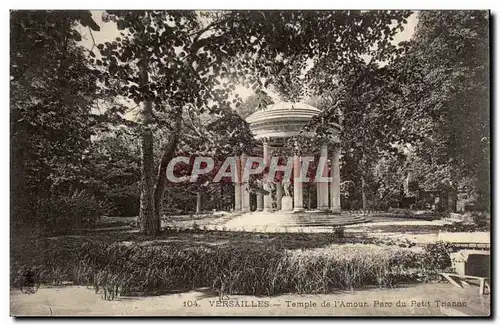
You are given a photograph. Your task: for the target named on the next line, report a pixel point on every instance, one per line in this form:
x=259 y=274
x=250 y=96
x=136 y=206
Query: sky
x=109 y=32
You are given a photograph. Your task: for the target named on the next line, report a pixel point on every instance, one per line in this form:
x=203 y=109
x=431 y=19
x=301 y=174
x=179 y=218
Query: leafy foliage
x=422 y=105
x=186 y=60
x=52 y=91
x=446 y=100
x=112 y=169
x=418 y=108
x=59 y=214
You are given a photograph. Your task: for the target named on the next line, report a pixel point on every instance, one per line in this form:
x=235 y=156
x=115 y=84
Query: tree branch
x=93 y=39
x=193 y=126
x=206 y=29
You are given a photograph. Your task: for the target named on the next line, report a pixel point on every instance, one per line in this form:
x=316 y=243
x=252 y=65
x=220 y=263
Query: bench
x=483 y=281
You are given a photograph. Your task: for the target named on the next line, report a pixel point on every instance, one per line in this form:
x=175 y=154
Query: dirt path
x=420 y=300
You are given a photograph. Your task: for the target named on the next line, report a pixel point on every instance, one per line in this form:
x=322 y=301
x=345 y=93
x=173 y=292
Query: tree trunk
x=168 y=154
x=452 y=199
x=362 y=163
x=19 y=196
x=160 y=187
x=309 y=201
x=221 y=206
x=147 y=222
x=363 y=193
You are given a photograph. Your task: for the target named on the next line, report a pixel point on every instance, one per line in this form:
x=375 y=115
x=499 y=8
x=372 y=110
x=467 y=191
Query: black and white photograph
x=250 y=163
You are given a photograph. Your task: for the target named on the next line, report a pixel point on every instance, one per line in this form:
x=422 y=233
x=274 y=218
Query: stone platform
x=308 y=221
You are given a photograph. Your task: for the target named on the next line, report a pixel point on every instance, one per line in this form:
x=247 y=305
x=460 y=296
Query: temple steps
x=328 y=220
x=297 y=220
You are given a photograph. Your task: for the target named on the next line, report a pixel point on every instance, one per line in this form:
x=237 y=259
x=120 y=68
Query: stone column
x=245 y=197
x=245 y=191
x=335 y=184
x=198 y=202
x=268 y=199
x=237 y=197
x=279 y=195
x=260 y=202
x=298 y=203
x=322 y=187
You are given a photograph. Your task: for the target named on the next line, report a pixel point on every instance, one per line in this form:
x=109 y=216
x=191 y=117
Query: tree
x=254 y=102
x=352 y=91
x=428 y=95
x=361 y=99
x=52 y=93
x=445 y=102
x=112 y=169
x=183 y=60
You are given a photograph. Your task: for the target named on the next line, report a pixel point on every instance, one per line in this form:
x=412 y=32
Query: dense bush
x=62 y=214
x=464 y=227
x=439 y=255
x=253 y=269
x=481 y=219
x=338 y=231
x=351 y=266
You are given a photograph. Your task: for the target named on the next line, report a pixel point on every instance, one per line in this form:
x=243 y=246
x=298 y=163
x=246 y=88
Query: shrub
x=338 y=231
x=60 y=214
x=252 y=269
x=351 y=266
x=438 y=256
x=481 y=219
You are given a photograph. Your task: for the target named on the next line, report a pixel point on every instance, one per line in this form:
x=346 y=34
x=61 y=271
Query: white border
x=256 y=4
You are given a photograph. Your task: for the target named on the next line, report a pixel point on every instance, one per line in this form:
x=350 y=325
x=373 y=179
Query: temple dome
x=283 y=110
x=281 y=120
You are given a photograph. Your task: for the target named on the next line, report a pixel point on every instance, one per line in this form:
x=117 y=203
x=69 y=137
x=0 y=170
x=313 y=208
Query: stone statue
x=286 y=188
x=286 y=201
x=268 y=186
